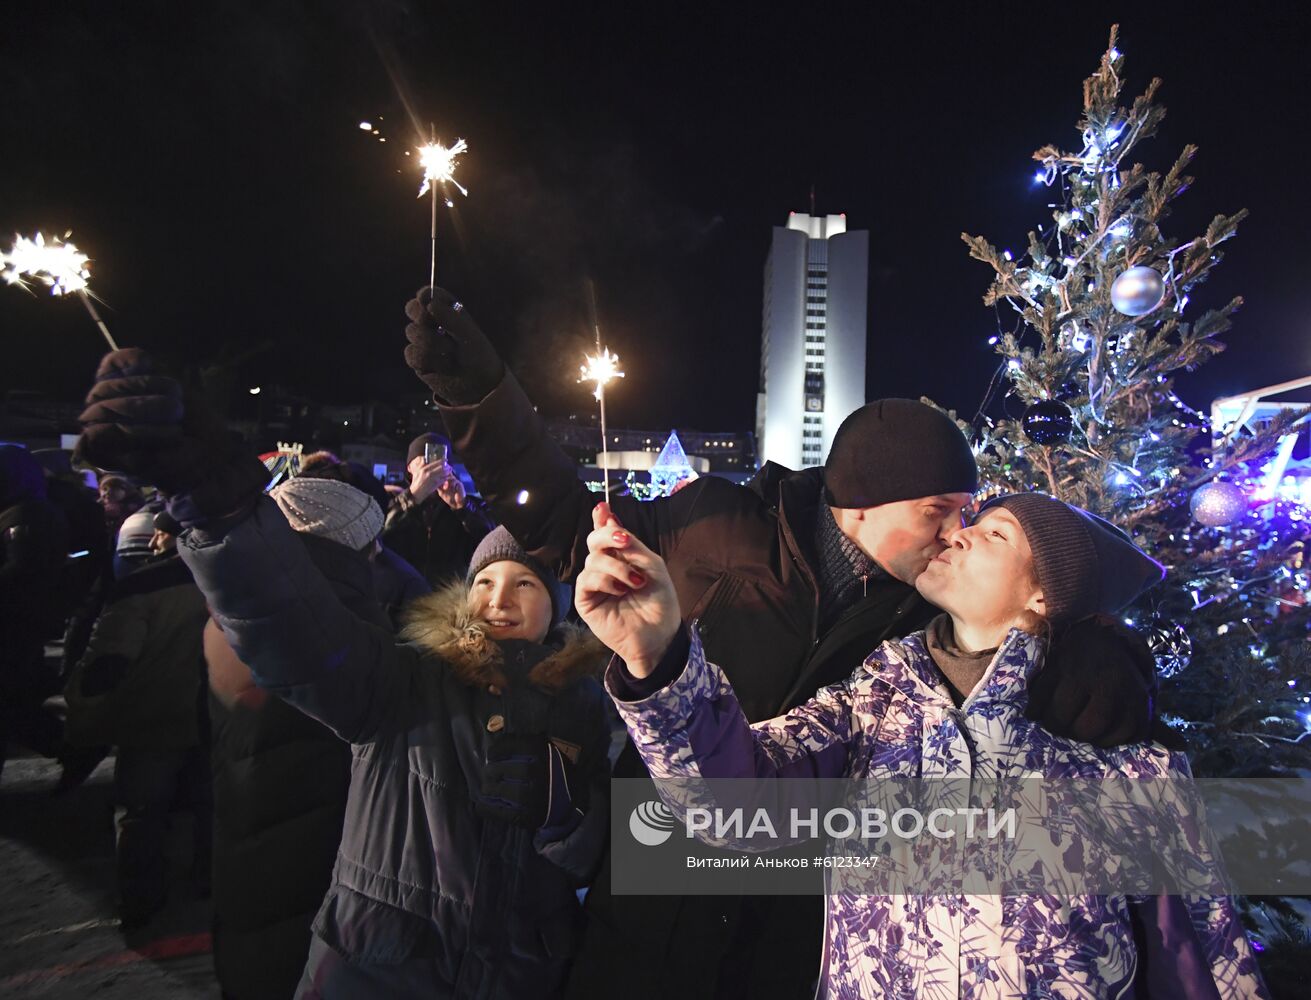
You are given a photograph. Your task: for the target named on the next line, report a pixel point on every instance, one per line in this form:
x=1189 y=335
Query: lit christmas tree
x=1101 y=326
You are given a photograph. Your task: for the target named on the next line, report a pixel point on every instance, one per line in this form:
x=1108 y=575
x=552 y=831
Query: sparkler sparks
x=439 y=165
x=602 y=369
x=61 y=266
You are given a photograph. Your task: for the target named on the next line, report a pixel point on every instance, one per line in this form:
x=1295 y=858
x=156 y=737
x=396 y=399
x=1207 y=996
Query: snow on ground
x=59 y=935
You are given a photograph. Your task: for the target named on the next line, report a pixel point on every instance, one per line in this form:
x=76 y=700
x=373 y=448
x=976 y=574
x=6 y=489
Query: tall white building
x=812 y=351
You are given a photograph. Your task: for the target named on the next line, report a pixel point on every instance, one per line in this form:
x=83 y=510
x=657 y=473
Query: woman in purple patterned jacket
x=948 y=703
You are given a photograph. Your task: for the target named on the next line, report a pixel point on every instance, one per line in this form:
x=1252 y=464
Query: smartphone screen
x=433 y=453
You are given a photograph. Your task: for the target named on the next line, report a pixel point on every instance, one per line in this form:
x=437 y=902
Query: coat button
x=493 y=689
x=496 y=723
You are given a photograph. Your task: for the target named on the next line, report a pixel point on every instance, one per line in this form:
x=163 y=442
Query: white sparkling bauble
x=1217 y=504
x=1137 y=291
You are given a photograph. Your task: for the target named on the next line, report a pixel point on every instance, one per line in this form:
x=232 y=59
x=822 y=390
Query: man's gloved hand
x=1097 y=685
x=138 y=421
x=527 y=781
x=447 y=350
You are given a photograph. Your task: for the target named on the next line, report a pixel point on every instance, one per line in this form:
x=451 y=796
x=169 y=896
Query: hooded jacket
x=894 y=719
x=488 y=908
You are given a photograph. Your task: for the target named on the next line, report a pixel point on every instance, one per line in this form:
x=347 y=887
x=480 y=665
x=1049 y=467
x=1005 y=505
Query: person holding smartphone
x=433 y=523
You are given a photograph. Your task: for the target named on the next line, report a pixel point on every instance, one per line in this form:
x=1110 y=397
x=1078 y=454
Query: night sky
x=208 y=157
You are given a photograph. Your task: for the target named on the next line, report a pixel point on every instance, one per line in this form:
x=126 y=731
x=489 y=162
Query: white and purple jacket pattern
x=893 y=718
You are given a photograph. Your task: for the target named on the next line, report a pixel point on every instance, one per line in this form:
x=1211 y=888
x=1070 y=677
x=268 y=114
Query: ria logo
x=651 y=823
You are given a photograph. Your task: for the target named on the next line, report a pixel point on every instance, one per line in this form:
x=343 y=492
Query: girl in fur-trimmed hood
x=478 y=798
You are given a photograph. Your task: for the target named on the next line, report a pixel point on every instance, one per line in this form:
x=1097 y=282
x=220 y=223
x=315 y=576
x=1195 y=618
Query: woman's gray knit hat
x=1085 y=564
x=500 y=545
x=329 y=509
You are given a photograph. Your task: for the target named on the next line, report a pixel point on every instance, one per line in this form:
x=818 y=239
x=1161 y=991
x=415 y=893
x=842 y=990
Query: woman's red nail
x=620 y=538
x=636 y=579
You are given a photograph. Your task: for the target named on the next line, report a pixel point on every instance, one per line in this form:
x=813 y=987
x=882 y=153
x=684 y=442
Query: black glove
x=138 y=421
x=528 y=782
x=1097 y=685
x=447 y=351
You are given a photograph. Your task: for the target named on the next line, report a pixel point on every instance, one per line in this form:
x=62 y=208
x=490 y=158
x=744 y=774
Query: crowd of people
x=396 y=728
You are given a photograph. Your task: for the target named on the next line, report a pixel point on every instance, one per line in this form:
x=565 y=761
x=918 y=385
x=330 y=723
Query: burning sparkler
x=61 y=266
x=57 y=264
x=438 y=164
x=601 y=368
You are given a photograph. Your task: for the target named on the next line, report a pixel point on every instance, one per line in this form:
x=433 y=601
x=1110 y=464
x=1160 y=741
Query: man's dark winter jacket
x=280 y=784
x=433 y=538
x=487 y=909
x=138 y=684
x=742 y=565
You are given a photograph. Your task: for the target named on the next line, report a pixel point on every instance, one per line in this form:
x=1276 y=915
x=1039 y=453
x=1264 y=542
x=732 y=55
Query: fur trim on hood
x=442 y=624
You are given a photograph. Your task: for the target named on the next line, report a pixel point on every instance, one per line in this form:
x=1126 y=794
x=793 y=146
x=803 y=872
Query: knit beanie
x=500 y=545
x=329 y=509
x=416 y=446
x=135 y=534
x=165 y=522
x=897 y=449
x=1084 y=564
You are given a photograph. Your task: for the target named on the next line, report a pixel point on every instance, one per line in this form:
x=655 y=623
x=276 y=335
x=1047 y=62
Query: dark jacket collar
x=794 y=497
x=888 y=608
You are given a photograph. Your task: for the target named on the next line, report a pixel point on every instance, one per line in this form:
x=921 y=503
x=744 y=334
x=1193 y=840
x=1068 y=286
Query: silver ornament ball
x=1218 y=504
x=1172 y=647
x=1137 y=291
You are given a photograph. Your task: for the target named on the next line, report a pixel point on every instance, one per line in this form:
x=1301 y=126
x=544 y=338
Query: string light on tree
x=1075 y=337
